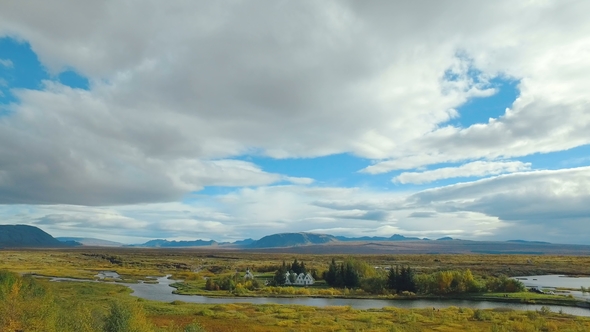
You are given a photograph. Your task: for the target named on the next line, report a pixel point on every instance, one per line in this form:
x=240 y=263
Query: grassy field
x=236 y=317
x=137 y=263
x=194 y=265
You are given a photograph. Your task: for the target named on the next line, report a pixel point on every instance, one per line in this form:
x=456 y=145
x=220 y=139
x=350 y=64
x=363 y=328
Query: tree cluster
x=457 y=282
x=297 y=267
x=294 y=268
x=401 y=279
x=343 y=275
x=231 y=283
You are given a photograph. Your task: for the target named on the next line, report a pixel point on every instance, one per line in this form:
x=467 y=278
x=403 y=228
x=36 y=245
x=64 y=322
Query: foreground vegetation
x=30 y=303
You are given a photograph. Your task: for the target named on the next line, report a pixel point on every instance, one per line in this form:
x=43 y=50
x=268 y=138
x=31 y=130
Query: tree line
x=400 y=279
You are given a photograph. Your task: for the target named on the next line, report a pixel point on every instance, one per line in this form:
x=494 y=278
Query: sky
x=132 y=120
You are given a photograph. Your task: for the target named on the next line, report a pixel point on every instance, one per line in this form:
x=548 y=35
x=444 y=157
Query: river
x=552 y=282
x=162 y=291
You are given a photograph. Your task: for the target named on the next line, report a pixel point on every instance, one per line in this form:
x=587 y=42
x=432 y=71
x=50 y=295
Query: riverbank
x=521 y=297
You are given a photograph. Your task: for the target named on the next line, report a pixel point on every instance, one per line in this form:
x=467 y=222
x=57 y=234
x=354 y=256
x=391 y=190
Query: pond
x=162 y=291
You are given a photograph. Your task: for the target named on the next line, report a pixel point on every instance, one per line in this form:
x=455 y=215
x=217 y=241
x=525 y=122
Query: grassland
x=137 y=263
x=194 y=265
x=248 y=317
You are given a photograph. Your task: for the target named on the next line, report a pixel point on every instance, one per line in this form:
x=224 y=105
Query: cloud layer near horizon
x=179 y=92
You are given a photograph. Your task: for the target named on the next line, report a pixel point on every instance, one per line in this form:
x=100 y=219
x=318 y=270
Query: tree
x=279 y=277
x=343 y=275
x=297 y=267
x=401 y=280
x=351 y=277
x=330 y=275
x=392 y=278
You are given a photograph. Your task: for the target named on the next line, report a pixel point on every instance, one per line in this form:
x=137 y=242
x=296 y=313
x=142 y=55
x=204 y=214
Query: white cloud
x=535 y=205
x=254 y=212
x=476 y=168
x=173 y=83
x=549 y=205
x=180 y=90
x=6 y=63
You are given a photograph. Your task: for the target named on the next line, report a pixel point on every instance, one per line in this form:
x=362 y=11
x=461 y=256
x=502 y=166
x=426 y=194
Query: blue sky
x=198 y=124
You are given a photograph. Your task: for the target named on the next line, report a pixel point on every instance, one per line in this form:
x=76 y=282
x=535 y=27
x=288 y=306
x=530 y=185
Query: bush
x=194 y=327
x=126 y=318
x=481 y=315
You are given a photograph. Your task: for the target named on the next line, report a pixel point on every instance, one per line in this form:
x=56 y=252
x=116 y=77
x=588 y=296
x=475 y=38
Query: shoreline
x=472 y=297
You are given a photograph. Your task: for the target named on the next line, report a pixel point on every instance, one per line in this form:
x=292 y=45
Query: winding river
x=162 y=291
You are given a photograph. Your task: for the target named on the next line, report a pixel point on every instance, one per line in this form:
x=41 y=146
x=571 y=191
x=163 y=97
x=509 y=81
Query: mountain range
x=23 y=236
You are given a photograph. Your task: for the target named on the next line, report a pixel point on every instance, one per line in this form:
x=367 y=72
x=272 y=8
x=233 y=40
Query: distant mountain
x=160 y=243
x=245 y=242
x=397 y=237
x=394 y=237
x=91 y=242
x=292 y=239
x=524 y=241
x=446 y=238
x=27 y=236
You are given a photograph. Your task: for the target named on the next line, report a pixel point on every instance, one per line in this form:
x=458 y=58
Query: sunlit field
x=37 y=304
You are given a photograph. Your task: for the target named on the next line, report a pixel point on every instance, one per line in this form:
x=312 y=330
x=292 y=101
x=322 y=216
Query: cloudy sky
x=130 y=120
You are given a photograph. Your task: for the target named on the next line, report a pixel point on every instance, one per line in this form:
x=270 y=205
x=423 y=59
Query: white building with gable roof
x=299 y=280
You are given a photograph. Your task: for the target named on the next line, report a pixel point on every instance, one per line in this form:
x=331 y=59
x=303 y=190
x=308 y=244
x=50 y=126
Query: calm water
x=163 y=292
x=558 y=281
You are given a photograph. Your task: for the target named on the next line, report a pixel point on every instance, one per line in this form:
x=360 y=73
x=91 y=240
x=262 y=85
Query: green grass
x=136 y=264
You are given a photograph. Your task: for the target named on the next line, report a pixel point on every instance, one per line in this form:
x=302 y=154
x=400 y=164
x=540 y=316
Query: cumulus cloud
x=175 y=83
x=476 y=168
x=546 y=205
x=256 y=212
x=549 y=204
x=179 y=92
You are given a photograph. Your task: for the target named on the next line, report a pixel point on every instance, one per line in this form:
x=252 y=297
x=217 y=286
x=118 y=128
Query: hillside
x=26 y=236
x=292 y=239
x=394 y=237
x=91 y=242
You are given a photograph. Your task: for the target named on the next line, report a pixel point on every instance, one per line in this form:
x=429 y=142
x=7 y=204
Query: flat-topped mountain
x=292 y=239
x=26 y=236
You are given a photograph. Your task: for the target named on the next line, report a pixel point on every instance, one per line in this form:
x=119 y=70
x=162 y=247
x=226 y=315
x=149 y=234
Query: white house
x=300 y=280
